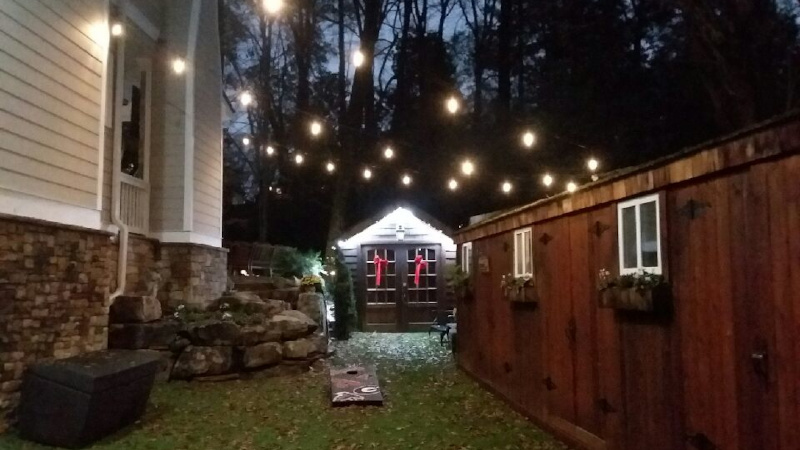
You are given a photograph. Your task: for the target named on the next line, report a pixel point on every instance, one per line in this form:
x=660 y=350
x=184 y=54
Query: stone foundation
x=54 y=288
x=55 y=283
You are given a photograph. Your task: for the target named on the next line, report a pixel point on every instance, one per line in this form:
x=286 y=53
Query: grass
x=429 y=405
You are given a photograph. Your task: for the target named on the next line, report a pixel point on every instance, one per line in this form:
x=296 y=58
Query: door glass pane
x=629 y=238
x=649 y=224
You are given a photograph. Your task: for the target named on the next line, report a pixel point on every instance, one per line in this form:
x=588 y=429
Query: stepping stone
x=355 y=385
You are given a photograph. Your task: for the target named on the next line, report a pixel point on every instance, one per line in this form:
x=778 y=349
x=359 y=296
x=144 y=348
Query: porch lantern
x=400 y=232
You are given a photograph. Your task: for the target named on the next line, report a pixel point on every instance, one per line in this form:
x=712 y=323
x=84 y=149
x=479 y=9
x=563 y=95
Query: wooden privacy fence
x=721 y=370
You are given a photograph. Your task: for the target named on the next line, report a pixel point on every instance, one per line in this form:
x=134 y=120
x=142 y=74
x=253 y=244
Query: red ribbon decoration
x=420 y=264
x=380 y=263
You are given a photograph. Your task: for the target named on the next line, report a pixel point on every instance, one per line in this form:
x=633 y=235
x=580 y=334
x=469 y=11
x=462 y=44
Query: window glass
x=649 y=230
x=527 y=252
x=629 y=238
x=523 y=264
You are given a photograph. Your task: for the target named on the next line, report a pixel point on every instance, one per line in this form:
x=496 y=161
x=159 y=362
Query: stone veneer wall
x=55 y=283
x=192 y=274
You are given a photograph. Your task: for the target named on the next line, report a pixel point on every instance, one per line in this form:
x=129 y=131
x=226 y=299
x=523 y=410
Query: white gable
x=387 y=230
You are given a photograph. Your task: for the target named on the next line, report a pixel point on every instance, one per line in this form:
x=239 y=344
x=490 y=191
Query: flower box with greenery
x=460 y=282
x=639 y=291
x=519 y=289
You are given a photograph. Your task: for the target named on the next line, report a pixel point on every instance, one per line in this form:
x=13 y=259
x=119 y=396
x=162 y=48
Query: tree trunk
x=504 y=60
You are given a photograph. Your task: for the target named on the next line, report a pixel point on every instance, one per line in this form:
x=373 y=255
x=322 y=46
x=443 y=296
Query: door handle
x=760 y=363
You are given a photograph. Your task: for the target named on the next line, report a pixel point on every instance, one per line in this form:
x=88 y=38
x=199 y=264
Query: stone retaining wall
x=54 y=288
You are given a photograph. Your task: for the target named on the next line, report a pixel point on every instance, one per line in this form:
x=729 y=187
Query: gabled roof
x=412 y=217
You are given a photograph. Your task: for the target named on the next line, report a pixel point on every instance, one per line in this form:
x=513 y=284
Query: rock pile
x=259 y=335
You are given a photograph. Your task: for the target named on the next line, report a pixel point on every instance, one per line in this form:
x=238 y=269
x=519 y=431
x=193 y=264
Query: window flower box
x=642 y=291
x=519 y=289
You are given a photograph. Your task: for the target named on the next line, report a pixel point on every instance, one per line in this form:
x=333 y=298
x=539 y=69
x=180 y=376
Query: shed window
x=639 y=235
x=523 y=253
x=466 y=256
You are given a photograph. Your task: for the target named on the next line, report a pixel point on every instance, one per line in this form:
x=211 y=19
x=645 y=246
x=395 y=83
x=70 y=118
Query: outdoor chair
x=442 y=324
x=261 y=259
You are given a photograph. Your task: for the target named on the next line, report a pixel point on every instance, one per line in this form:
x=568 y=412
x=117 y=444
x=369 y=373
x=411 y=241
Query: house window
x=639 y=235
x=523 y=253
x=466 y=257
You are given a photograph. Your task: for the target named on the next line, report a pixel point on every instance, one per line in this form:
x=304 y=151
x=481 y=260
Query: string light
x=506 y=187
x=273 y=6
x=178 y=65
x=116 y=29
x=358 y=58
x=246 y=98
x=270 y=150
x=528 y=139
x=572 y=187
x=367 y=174
x=316 y=128
x=547 y=180
x=452 y=184
x=592 y=164
x=452 y=105
x=330 y=167
x=467 y=167
x=406 y=180
x=388 y=153
x=298 y=159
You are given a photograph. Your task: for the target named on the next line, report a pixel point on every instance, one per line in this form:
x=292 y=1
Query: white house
x=110 y=167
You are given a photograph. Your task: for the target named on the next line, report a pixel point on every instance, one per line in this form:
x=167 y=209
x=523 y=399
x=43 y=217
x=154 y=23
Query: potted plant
x=311 y=283
x=460 y=282
x=639 y=291
x=518 y=289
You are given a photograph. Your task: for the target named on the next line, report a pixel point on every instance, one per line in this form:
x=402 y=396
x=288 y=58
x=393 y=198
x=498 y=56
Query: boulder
x=287 y=294
x=235 y=300
x=166 y=360
x=261 y=355
x=319 y=344
x=135 y=309
x=154 y=335
x=312 y=304
x=290 y=326
x=214 y=333
x=203 y=361
x=299 y=349
x=299 y=315
x=257 y=334
x=267 y=307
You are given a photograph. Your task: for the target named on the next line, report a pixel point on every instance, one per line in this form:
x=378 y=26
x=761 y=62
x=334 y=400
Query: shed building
x=398 y=260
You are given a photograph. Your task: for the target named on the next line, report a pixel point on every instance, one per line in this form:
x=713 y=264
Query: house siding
x=207 y=198
x=51 y=79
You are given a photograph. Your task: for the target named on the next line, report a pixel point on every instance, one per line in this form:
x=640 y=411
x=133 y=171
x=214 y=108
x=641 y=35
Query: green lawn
x=429 y=405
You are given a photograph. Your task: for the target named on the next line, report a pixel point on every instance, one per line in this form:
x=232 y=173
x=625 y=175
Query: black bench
x=75 y=401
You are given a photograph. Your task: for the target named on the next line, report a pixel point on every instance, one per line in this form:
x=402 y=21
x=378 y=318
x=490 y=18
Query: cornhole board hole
x=355 y=385
x=75 y=401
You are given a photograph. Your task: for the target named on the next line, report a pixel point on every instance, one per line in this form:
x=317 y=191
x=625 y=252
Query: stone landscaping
x=240 y=332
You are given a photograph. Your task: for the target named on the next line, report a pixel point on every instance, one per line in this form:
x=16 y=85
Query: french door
x=402 y=286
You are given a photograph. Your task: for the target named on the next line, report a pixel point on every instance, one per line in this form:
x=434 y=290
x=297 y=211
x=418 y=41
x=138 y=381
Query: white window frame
x=527 y=253
x=636 y=203
x=466 y=257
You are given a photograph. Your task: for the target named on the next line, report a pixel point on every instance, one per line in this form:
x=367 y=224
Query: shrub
x=344 y=302
x=291 y=262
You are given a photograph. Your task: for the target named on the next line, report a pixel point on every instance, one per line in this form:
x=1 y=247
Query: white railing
x=134 y=204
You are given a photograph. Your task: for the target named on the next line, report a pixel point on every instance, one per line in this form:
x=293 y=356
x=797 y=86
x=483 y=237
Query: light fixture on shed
x=400 y=232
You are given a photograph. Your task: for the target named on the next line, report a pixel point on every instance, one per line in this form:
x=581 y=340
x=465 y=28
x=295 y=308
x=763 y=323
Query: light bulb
x=316 y=128
x=528 y=139
x=388 y=153
x=406 y=180
x=246 y=141
x=367 y=174
x=270 y=150
x=273 y=6
x=298 y=159
x=506 y=187
x=178 y=65
x=467 y=167
x=452 y=105
x=572 y=187
x=330 y=167
x=246 y=98
x=116 y=29
x=452 y=184
x=547 y=180
x=592 y=164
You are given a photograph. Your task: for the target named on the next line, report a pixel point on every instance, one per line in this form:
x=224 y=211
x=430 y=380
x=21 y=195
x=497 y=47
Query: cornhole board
x=355 y=385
